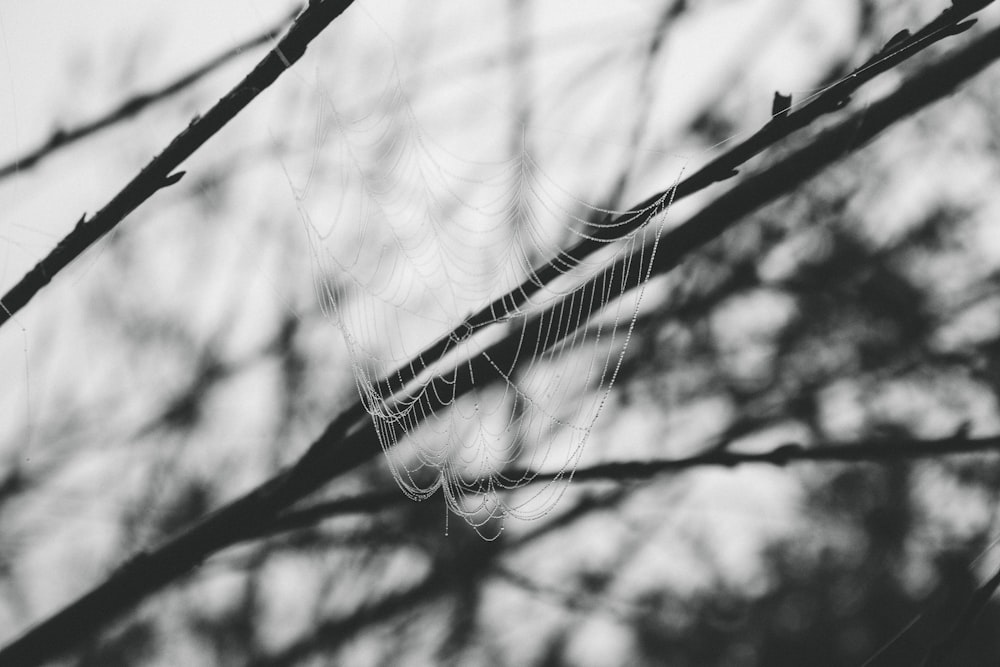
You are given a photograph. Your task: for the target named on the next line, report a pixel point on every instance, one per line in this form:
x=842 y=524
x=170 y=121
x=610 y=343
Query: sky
x=62 y=62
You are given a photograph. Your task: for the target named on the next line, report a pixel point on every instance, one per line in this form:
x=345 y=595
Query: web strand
x=438 y=235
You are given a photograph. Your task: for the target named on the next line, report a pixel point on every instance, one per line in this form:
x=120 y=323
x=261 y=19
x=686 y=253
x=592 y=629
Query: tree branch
x=863 y=451
x=784 y=122
x=158 y=173
x=884 y=451
x=351 y=439
x=62 y=138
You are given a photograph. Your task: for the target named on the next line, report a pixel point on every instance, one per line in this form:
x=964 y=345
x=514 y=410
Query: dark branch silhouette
x=159 y=172
x=351 y=438
x=62 y=137
x=884 y=451
x=866 y=451
x=784 y=122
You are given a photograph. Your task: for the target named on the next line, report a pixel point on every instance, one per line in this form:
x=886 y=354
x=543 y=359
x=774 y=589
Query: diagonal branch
x=784 y=122
x=157 y=174
x=62 y=138
x=351 y=440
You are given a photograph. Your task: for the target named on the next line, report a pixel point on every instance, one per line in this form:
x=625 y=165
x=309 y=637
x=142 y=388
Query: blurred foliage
x=861 y=307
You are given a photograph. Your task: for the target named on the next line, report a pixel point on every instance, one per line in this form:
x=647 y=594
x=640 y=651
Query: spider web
x=424 y=258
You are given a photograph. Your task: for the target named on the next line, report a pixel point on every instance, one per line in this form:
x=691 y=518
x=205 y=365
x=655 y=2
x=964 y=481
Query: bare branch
x=62 y=138
x=864 y=451
x=884 y=451
x=351 y=438
x=783 y=123
x=159 y=172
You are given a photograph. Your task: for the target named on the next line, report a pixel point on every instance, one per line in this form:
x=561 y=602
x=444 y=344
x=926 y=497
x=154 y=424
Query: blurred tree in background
x=786 y=410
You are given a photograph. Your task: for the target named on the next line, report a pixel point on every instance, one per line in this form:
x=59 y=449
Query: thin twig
x=884 y=451
x=865 y=451
x=158 y=173
x=61 y=138
x=351 y=440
